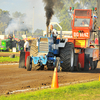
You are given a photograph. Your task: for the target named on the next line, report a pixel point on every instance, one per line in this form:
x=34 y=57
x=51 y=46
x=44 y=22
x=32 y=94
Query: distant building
x=2 y=36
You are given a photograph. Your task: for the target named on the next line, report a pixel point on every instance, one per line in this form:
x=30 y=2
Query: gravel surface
x=14 y=78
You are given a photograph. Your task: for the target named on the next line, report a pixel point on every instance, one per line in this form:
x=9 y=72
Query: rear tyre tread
x=34 y=52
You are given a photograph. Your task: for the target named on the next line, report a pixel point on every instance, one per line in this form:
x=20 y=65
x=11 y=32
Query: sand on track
x=14 y=78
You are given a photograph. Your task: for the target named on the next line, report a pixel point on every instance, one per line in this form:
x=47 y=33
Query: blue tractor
x=47 y=53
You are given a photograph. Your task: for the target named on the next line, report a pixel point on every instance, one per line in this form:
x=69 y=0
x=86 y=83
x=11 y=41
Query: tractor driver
x=53 y=33
x=84 y=23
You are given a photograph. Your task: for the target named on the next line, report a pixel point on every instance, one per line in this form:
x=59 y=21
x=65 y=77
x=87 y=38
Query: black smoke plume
x=49 y=4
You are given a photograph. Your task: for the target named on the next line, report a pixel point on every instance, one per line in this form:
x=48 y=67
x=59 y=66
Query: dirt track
x=14 y=78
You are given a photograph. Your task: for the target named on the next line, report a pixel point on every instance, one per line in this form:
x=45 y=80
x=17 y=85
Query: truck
x=84 y=39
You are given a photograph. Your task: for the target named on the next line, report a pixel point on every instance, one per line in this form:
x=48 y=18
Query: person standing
x=26 y=45
x=10 y=37
x=19 y=45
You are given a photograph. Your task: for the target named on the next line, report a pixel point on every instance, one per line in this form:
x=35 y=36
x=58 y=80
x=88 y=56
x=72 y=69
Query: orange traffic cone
x=55 y=79
x=99 y=77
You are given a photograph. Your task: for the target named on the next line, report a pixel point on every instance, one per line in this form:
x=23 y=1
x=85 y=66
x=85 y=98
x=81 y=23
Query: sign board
x=80 y=43
x=81 y=35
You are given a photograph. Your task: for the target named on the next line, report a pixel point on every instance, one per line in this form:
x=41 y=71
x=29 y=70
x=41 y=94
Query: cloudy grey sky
x=26 y=6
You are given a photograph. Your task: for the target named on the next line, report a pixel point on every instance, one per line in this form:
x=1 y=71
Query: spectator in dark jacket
x=10 y=41
x=19 y=45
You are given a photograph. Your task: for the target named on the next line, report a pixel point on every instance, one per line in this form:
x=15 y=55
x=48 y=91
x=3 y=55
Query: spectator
x=10 y=42
x=19 y=45
x=26 y=45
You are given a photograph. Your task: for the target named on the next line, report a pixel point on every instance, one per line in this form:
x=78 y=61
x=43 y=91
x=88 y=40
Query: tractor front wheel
x=67 y=57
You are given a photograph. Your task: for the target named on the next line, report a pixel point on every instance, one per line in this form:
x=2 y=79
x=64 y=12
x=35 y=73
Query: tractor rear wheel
x=28 y=64
x=67 y=56
x=34 y=48
x=86 y=65
x=34 y=52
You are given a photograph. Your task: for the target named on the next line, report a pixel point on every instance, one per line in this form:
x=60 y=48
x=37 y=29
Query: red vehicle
x=84 y=40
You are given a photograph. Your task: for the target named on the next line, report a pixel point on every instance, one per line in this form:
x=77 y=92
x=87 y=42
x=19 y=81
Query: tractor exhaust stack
x=47 y=30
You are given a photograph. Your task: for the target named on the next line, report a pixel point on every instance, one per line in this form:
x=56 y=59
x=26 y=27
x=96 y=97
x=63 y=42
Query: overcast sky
x=34 y=8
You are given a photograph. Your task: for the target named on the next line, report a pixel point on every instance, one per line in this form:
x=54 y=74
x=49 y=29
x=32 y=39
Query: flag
x=94 y=16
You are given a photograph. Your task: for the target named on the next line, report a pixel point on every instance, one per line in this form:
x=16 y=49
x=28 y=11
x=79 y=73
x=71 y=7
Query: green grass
x=8 y=59
x=83 y=91
x=9 y=52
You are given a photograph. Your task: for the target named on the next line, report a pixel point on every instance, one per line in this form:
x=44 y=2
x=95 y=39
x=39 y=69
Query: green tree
x=38 y=32
x=18 y=14
x=63 y=13
x=4 y=20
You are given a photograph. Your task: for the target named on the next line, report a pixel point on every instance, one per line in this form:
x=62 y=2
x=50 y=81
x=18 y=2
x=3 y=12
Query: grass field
x=9 y=52
x=8 y=59
x=83 y=91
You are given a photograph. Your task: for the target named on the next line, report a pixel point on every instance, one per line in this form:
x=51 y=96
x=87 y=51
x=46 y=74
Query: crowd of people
x=26 y=45
x=20 y=44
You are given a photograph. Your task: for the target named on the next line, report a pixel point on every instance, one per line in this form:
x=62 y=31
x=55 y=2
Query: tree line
x=15 y=24
x=61 y=11
x=4 y=20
